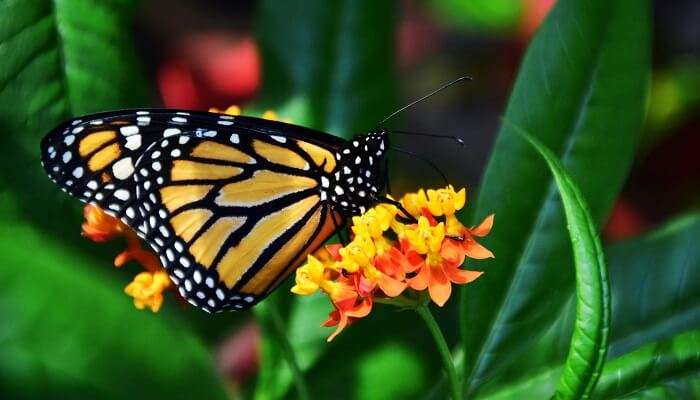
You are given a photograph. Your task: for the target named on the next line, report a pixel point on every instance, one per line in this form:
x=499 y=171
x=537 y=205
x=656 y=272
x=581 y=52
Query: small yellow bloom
x=357 y=254
x=147 y=289
x=415 y=202
x=373 y=223
x=424 y=238
x=232 y=110
x=446 y=201
x=309 y=277
x=453 y=227
x=271 y=115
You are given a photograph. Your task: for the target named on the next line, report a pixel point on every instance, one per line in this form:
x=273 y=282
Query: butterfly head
x=359 y=176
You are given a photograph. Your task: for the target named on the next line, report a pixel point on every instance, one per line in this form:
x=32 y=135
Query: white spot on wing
x=129 y=130
x=122 y=194
x=123 y=168
x=133 y=142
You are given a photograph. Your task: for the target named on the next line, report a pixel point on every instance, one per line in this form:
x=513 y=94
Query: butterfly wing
x=232 y=205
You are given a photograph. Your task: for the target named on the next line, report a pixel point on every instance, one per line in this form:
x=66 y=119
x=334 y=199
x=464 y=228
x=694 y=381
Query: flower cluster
x=392 y=256
x=147 y=287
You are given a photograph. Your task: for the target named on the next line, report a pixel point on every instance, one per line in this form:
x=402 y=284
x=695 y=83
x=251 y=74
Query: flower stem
x=288 y=352
x=444 y=351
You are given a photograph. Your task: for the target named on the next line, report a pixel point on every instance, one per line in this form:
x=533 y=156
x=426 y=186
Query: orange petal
x=484 y=227
x=440 y=287
x=461 y=276
x=420 y=281
x=452 y=251
x=476 y=251
x=391 y=287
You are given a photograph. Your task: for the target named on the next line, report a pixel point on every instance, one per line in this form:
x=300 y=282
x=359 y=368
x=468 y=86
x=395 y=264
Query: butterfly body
x=232 y=204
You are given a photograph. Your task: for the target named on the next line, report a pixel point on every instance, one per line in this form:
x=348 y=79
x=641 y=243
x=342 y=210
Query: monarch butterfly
x=231 y=204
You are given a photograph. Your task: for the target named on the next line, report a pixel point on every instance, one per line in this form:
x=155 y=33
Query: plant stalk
x=288 y=353
x=447 y=363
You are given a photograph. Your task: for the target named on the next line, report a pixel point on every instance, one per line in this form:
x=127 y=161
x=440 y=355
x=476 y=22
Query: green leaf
x=69 y=332
x=581 y=90
x=589 y=341
x=655 y=281
x=322 y=70
x=668 y=369
x=322 y=65
x=58 y=59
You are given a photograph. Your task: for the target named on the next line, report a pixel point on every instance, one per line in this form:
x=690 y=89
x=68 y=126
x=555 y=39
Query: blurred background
x=205 y=53
x=209 y=53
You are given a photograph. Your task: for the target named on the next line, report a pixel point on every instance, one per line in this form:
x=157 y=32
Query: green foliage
x=68 y=331
x=580 y=91
x=479 y=15
x=655 y=286
x=589 y=341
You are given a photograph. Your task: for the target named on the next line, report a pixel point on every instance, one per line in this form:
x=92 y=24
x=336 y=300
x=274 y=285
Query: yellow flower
x=147 y=289
x=415 y=202
x=424 y=238
x=309 y=277
x=232 y=110
x=271 y=115
x=357 y=254
x=373 y=223
x=446 y=201
x=453 y=227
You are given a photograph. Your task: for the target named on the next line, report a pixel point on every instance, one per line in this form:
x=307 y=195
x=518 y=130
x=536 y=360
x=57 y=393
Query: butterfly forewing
x=231 y=205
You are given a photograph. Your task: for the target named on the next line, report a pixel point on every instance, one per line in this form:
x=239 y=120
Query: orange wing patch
x=262 y=187
x=216 y=151
x=175 y=197
x=207 y=246
x=261 y=280
x=279 y=155
x=240 y=258
x=104 y=157
x=93 y=141
x=327 y=229
x=320 y=155
x=184 y=170
x=189 y=222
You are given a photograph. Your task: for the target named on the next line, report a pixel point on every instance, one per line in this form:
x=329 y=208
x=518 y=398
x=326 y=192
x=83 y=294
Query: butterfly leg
x=384 y=199
x=343 y=240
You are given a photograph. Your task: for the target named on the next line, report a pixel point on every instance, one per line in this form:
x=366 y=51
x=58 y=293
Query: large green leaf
x=68 y=332
x=655 y=281
x=589 y=341
x=58 y=59
x=581 y=91
x=327 y=65
x=668 y=369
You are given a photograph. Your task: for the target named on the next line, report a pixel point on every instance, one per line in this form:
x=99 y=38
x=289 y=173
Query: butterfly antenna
x=454 y=138
x=425 y=160
x=427 y=96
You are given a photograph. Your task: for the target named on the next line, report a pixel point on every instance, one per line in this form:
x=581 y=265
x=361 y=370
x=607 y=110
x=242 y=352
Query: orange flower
x=388 y=257
x=147 y=287
x=440 y=270
x=472 y=249
x=100 y=226
x=356 y=303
